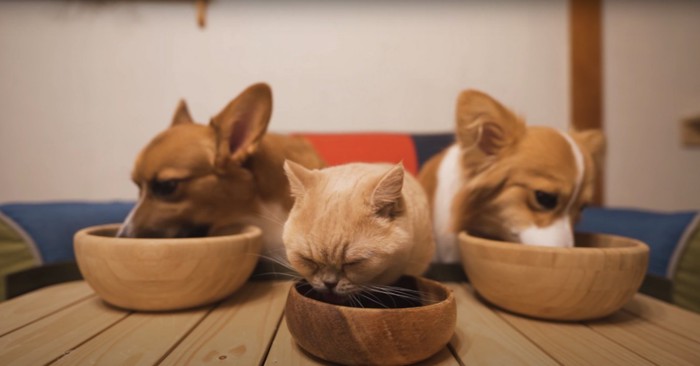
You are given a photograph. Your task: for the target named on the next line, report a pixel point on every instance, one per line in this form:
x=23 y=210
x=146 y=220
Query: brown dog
x=508 y=181
x=198 y=180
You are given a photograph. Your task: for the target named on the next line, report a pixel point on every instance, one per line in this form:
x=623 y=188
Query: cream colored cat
x=357 y=225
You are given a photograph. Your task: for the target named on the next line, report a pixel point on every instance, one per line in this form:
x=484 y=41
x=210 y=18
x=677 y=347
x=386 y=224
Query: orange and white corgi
x=504 y=180
x=197 y=180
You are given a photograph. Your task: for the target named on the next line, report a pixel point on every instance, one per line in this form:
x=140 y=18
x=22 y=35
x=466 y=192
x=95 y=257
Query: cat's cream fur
x=356 y=225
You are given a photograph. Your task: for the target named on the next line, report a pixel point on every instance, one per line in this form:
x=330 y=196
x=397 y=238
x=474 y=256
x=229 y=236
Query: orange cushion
x=344 y=148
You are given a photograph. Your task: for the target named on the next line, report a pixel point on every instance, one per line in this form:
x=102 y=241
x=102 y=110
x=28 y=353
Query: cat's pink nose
x=330 y=285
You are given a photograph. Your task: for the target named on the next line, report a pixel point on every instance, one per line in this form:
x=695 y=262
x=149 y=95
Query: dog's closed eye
x=164 y=188
x=548 y=201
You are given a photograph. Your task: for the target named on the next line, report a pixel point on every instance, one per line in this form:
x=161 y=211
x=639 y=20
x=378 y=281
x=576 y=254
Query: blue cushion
x=428 y=145
x=52 y=225
x=661 y=231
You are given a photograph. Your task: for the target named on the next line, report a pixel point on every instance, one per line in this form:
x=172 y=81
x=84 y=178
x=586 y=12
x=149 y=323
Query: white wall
x=652 y=80
x=83 y=86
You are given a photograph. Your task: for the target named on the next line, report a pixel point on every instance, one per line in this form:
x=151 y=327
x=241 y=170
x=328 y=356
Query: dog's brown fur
x=499 y=168
x=225 y=174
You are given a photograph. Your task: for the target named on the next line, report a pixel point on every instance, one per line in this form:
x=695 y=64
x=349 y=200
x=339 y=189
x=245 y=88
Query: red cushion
x=344 y=148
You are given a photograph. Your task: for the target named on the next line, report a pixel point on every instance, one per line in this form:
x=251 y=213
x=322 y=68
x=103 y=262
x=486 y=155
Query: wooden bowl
x=165 y=274
x=379 y=336
x=591 y=280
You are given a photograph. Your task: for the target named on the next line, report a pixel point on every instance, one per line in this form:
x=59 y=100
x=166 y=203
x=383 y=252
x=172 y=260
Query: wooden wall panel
x=585 y=37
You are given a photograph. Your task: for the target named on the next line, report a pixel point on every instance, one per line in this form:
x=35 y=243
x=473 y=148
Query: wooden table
x=68 y=324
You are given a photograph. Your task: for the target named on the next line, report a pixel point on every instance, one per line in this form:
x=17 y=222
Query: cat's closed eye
x=307 y=262
x=354 y=263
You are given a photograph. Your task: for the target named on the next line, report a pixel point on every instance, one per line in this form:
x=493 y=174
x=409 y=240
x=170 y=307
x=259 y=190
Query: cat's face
x=345 y=230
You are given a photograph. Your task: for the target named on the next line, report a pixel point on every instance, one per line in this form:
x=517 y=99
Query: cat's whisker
x=403 y=293
x=373 y=294
x=288 y=272
x=282 y=262
x=270 y=216
x=311 y=289
x=359 y=302
x=278 y=274
x=364 y=295
x=354 y=301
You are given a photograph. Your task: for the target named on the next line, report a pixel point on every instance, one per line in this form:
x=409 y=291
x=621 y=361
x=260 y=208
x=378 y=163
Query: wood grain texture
x=25 y=309
x=49 y=338
x=286 y=352
x=670 y=317
x=373 y=336
x=573 y=343
x=652 y=342
x=238 y=331
x=585 y=36
x=483 y=338
x=579 y=283
x=165 y=273
x=140 y=339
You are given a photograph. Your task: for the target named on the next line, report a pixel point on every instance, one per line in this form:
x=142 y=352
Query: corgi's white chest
x=448 y=183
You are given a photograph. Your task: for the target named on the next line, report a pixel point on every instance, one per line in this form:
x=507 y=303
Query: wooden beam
x=585 y=37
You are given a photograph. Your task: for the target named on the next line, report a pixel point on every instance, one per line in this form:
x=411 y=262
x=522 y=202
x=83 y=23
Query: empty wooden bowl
x=593 y=279
x=379 y=336
x=165 y=274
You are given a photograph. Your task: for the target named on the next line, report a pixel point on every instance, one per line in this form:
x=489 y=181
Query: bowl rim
x=247 y=231
x=449 y=298
x=637 y=246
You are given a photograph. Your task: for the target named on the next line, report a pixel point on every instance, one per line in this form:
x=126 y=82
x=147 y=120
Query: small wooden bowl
x=364 y=336
x=592 y=280
x=165 y=274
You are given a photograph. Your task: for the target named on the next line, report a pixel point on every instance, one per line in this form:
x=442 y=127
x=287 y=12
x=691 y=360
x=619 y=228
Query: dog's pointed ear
x=181 y=115
x=387 y=195
x=300 y=178
x=593 y=141
x=242 y=124
x=484 y=126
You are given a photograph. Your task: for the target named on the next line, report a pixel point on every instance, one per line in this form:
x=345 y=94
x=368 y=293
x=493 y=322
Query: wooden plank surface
x=68 y=324
x=25 y=309
x=573 y=343
x=140 y=339
x=238 y=331
x=652 y=342
x=671 y=317
x=483 y=338
x=284 y=351
x=49 y=338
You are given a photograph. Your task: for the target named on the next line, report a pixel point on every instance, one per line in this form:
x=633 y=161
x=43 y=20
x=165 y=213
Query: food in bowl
x=591 y=280
x=156 y=274
x=392 y=331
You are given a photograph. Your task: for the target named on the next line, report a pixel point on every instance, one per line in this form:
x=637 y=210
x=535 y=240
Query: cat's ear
x=299 y=178
x=387 y=198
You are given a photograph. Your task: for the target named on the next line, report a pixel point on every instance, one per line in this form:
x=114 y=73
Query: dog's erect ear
x=182 y=114
x=299 y=178
x=593 y=141
x=485 y=127
x=242 y=123
x=386 y=198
